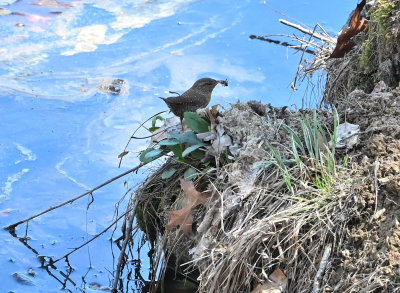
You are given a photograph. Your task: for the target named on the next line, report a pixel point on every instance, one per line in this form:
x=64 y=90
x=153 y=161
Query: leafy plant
x=314 y=155
x=196 y=123
x=282 y=167
x=319 y=152
x=149 y=155
x=182 y=145
x=190 y=174
x=168 y=173
x=153 y=123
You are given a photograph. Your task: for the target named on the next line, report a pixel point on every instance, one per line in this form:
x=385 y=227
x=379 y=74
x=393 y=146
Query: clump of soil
x=369 y=259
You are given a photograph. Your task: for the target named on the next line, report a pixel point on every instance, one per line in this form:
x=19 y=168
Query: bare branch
x=11 y=228
x=308 y=32
x=124 y=244
x=93 y=238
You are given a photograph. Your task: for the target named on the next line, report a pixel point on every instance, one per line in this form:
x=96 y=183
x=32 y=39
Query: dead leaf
x=276 y=283
x=214 y=110
x=278 y=277
x=344 y=43
x=182 y=217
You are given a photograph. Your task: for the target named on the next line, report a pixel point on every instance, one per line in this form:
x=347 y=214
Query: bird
x=198 y=96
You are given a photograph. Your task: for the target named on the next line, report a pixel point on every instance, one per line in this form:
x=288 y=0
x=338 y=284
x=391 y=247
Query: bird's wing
x=175 y=100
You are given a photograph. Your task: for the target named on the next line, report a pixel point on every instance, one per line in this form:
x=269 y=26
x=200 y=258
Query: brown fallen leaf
x=344 y=43
x=276 y=283
x=182 y=217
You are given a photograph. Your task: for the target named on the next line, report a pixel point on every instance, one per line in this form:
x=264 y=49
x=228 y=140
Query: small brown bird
x=198 y=96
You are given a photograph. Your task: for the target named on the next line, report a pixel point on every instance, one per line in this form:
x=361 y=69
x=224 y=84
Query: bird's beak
x=223 y=82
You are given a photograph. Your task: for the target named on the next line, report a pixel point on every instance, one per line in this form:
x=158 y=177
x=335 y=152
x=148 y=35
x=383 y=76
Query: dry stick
x=301 y=59
x=322 y=267
x=308 y=32
x=91 y=239
x=334 y=81
x=376 y=188
x=123 y=248
x=76 y=198
x=133 y=135
x=285 y=44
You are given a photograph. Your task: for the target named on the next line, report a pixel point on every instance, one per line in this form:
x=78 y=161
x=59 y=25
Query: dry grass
x=257 y=224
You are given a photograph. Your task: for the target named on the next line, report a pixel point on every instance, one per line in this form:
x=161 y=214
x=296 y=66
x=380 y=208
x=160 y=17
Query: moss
x=378 y=35
x=381 y=13
x=367 y=50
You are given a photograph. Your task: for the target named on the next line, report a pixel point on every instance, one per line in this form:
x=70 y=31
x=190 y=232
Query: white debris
x=347 y=135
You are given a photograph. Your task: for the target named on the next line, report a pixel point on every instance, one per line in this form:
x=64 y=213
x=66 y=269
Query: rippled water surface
x=62 y=129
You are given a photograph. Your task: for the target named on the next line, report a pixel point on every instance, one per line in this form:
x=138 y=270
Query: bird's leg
x=181 y=123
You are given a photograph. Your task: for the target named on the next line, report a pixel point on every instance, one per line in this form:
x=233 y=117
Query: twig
x=124 y=244
x=308 y=32
x=376 y=168
x=322 y=267
x=334 y=81
x=133 y=134
x=12 y=227
x=283 y=14
x=285 y=44
x=302 y=56
x=91 y=239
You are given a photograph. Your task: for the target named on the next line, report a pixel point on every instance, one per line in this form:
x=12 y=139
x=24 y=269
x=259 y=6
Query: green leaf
x=149 y=155
x=190 y=174
x=295 y=138
x=195 y=122
x=168 y=173
x=191 y=149
x=198 y=154
x=142 y=158
x=154 y=121
x=152 y=154
x=154 y=128
x=188 y=138
x=177 y=150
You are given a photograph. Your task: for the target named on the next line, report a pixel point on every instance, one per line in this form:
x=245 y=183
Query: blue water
x=61 y=133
